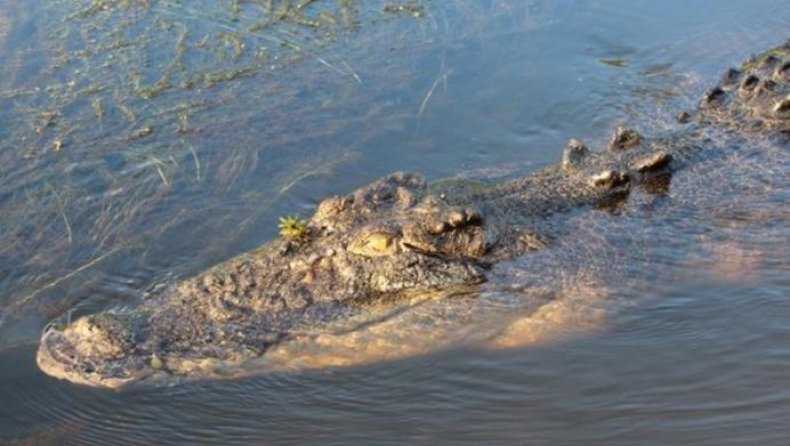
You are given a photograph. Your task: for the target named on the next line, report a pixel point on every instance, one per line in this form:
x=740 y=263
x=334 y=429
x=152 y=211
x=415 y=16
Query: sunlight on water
x=147 y=140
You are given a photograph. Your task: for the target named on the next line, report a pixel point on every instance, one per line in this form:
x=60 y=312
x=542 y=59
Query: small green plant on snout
x=292 y=228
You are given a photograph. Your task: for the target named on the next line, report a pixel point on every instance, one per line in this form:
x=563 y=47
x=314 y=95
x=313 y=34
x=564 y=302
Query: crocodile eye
x=373 y=244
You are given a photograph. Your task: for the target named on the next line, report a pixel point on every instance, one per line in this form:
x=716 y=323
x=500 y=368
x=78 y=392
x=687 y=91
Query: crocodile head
x=387 y=237
x=381 y=243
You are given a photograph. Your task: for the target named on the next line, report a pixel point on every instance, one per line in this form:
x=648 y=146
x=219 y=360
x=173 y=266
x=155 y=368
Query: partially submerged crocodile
x=393 y=239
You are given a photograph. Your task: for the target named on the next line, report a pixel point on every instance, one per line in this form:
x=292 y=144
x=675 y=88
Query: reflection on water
x=145 y=141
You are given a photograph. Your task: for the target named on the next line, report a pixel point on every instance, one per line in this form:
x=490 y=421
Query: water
x=677 y=305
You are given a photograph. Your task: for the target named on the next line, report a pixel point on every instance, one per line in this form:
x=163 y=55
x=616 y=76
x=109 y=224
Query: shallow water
x=672 y=324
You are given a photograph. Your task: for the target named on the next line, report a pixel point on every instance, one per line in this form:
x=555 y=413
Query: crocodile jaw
x=57 y=356
x=96 y=350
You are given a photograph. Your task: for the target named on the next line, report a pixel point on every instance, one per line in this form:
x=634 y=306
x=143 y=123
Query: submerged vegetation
x=128 y=120
x=130 y=59
x=135 y=130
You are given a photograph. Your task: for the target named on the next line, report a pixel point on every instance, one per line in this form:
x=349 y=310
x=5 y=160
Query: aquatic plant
x=292 y=227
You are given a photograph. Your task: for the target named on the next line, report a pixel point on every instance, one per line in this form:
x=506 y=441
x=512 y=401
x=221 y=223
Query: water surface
x=130 y=161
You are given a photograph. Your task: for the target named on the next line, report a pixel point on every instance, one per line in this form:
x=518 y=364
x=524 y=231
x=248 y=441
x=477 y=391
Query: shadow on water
x=145 y=140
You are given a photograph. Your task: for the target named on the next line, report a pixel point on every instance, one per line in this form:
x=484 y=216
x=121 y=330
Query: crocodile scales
x=395 y=238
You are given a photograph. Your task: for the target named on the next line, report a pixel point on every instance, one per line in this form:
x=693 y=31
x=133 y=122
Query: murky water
x=129 y=161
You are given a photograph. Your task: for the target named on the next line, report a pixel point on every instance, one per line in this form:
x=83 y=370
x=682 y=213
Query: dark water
x=671 y=322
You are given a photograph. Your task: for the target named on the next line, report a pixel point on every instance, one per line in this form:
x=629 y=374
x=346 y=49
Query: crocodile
x=394 y=239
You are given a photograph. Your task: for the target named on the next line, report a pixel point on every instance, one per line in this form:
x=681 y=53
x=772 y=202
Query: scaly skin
x=395 y=238
x=755 y=97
